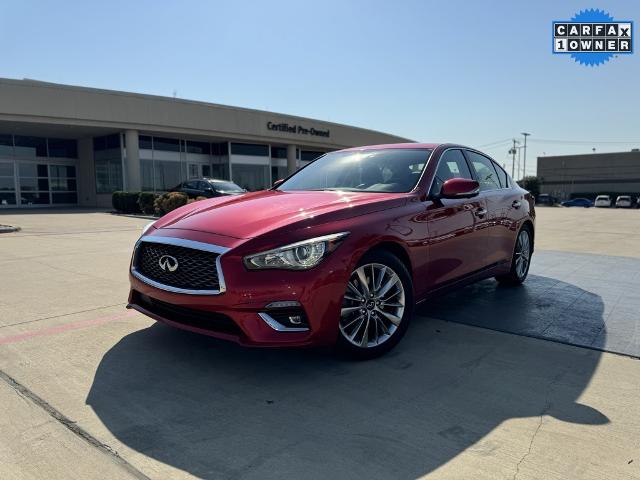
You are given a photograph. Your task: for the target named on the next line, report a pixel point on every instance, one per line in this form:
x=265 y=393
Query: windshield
x=227 y=187
x=392 y=170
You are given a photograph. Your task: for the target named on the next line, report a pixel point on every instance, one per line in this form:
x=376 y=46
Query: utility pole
x=524 y=169
x=512 y=152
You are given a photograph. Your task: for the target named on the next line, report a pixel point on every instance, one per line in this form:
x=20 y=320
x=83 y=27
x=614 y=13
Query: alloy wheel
x=523 y=253
x=373 y=305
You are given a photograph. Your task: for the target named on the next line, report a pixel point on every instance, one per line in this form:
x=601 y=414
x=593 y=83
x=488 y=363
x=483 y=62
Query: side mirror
x=277 y=183
x=459 y=188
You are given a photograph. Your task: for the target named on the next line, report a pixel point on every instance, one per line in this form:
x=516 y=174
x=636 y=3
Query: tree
x=531 y=183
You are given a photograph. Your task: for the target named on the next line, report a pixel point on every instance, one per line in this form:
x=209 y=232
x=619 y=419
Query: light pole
x=512 y=152
x=524 y=168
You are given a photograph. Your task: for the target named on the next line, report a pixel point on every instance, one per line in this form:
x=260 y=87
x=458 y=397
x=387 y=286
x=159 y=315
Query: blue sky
x=474 y=72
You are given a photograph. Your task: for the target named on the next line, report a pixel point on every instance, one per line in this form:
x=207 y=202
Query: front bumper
x=240 y=313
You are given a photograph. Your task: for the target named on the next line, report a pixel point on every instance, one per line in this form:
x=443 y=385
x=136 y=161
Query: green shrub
x=197 y=199
x=146 y=202
x=125 y=202
x=170 y=201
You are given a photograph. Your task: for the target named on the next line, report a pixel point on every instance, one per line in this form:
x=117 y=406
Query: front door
x=456 y=234
x=501 y=202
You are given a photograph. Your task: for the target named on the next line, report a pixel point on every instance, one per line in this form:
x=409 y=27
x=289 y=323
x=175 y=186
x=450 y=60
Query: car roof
x=429 y=146
x=220 y=180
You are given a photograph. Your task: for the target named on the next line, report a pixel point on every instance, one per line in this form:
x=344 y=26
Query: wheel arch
x=529 y=224
x=396 y=250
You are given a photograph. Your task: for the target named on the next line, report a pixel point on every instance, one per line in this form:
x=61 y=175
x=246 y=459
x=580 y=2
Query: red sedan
x=338 y=253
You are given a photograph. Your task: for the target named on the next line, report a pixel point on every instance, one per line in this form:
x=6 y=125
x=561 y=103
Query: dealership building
x=588 y=175
x=63 y=145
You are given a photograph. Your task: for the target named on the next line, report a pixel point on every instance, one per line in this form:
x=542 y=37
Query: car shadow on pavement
x=217 y=410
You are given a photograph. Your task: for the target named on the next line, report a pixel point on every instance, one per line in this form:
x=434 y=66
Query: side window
x=487 y=176
x=502 y=175
x=204 y=185
x=451 y=165
x=190 y=185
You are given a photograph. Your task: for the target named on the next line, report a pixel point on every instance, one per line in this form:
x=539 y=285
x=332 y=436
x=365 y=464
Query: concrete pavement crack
x=63 y=315
x=544 y=411
x=71 y=425
x=533 y=439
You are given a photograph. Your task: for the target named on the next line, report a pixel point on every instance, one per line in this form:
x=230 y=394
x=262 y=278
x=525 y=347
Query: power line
x=507 y=140
x=582 y=142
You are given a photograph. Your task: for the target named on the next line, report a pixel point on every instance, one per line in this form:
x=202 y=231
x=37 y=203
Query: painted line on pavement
x=64 y=327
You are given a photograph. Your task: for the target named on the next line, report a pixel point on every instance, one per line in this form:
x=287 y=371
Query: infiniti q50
x=340 y=252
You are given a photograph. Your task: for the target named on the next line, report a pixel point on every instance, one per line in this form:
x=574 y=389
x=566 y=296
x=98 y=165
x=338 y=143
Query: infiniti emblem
x=168 y=263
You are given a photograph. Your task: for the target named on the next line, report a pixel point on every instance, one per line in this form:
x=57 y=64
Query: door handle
x=480 y=212
x=516 y=204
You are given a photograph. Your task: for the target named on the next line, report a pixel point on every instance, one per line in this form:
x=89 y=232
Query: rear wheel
x=521 y=259
x=376 y=308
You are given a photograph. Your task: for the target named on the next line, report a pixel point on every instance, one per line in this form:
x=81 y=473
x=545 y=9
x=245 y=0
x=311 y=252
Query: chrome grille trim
x=180 y=242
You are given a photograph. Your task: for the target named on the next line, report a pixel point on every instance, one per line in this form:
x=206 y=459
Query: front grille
x=212 y=321
x=196 y=269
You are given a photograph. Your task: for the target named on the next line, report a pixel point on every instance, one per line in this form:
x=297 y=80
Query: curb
x=133 y=215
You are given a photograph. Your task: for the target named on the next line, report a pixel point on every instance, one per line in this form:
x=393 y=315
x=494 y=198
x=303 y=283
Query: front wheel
x=377 y=306
x=521 y=259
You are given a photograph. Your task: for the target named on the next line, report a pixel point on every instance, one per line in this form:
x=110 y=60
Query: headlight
x=147 y=227
x=296 y=256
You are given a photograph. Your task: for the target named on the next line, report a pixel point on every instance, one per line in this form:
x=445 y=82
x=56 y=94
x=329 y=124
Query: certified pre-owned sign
x=592 y=37
x=298 y=129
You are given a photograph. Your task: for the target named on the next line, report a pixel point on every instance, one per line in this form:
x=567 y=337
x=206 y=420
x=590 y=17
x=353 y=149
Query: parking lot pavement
x=452 y=401
x=580 y=299
x=601 y=231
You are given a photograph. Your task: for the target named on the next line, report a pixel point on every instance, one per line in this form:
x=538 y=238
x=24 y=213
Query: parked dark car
x=208 y=187
x=546 y=199
x=578 y=202
x=339 y=252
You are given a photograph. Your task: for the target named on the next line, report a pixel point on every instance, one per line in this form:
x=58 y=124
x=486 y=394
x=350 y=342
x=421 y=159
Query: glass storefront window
x=166 y=144
x=7 y=198
x=250 y=149
x=107 y=142
x=30 y=146
x=166 y=175
x=33 y=184
x=70 y=197
x=7 y=184
x=308 y=155
x=62 y=171
x=62 y=148
x=6 y=145
x=6 y=169
x=63 y=184
x=33 y=170
x=203 y=148
x=146 y=172
x=35 y=198
x=108 y=175
x=145 y=142
x=251 y=177
x=278 y=173
x=278 y=152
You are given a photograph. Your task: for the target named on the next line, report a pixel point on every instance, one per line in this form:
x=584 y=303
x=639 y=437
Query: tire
x=518 y=272
x=368 y=326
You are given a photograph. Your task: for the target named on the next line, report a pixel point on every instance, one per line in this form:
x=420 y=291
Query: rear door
x=457 y=243
x=503 y=205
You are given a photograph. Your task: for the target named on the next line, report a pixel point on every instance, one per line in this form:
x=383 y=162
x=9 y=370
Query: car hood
x=253 y=214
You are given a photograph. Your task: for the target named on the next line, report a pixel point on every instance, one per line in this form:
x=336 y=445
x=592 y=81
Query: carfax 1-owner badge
x=592 y=37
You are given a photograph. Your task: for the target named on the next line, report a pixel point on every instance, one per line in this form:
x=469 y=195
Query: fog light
x=285 y=316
